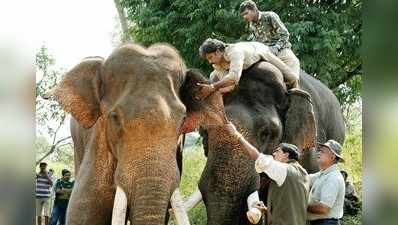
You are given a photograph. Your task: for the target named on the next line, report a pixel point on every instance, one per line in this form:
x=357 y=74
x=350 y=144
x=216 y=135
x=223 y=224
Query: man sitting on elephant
x=288 y=192
x=228 y=61
x=267 y=27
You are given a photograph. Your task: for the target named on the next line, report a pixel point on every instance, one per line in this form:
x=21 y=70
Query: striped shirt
x=43 y=186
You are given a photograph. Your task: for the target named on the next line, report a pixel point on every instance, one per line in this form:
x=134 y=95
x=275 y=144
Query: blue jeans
x=58 y=213
x=325 y=222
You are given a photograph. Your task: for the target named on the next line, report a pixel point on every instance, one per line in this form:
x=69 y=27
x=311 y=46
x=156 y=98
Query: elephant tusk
x=193 y=200
x=254 y=214
x=119 y=207
x=179 y=211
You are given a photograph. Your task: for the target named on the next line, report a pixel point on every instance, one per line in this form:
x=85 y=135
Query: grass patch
x=194 y=161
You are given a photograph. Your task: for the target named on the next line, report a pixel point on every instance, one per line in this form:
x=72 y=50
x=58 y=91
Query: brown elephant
x=127 y=116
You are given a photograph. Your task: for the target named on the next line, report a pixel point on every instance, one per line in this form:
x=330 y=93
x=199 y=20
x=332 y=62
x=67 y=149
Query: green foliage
x=50 y=117
x=63 y=155
x=49 y=114
x=352 y=153
x=326 y=35
x=185 y=24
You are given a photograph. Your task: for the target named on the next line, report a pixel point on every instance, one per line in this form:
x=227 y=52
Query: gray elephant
x=127 y=115
x=266 y=114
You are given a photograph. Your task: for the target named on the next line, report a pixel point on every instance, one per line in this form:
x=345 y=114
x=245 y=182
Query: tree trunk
x=123 y=21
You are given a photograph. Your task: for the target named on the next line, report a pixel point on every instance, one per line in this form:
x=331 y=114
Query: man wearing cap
x=327 y=191
x=288 y=191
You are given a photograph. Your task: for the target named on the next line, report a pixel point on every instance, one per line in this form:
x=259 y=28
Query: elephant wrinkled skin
x=127 y=114
x=266 y=114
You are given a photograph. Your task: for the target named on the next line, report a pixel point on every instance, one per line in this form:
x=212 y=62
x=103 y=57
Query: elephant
x=126 y=121
x=266 y=114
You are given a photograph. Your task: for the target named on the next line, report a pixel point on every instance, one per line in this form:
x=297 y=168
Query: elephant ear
x=79 y=91
x=300 y=127
x=188 y=93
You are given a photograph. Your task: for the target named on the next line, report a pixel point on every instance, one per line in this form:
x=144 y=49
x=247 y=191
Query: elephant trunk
x=150 y=201
x=148 y=174
x=224 y=211
x=119 y=207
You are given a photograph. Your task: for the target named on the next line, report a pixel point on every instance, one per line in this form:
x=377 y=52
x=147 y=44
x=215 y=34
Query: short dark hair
x=210 y=46
x=64 y=171
x=248 y=4
x=42 y=164
x=291 y=149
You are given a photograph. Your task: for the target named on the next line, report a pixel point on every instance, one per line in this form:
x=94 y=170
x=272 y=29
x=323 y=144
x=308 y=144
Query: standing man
x=326 y=199
x=63 y=190
x=228 y=61
x=288 y=191
x=267 y=28
x=43 y=194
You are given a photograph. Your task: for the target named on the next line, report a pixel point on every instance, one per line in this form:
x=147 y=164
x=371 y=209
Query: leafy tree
x=50 y=118
x=326 y=34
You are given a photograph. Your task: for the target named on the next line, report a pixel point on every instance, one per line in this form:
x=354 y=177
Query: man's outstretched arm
x=276 y=170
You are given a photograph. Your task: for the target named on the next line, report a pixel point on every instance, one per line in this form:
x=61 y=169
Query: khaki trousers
x=290 y=76
x=42 y=206
x=289 y=58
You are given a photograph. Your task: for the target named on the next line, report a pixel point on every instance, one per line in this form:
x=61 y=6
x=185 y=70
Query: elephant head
x=131 y=103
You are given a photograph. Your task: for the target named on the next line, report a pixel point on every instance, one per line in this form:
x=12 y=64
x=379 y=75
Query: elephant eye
x=114 y=116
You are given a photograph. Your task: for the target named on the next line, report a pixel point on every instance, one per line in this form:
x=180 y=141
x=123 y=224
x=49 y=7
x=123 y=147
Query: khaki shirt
x=240 y=56
x=270 y=30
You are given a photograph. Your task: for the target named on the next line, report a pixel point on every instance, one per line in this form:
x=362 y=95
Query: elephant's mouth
x=179 y=207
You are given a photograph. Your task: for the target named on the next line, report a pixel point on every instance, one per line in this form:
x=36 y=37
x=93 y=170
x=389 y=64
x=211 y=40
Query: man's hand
x=232 y=130
x=205 y=91
x=274 y=49
x=260 y=205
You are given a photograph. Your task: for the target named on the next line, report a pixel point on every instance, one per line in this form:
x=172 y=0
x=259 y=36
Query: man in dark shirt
x=63 y=190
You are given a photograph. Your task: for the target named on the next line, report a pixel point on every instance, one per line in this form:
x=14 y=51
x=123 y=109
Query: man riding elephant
x=267 y=28
x=228 y=61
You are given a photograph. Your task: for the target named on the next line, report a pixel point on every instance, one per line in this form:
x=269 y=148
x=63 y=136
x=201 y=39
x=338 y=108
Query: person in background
x=43 y=193
x=63 y=190
x=327 y=190
x=52 y=196
x=351 y=200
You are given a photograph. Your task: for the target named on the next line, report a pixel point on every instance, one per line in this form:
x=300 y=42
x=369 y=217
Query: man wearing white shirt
x=326 y=201
x=288 y=191
x=228 y=61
